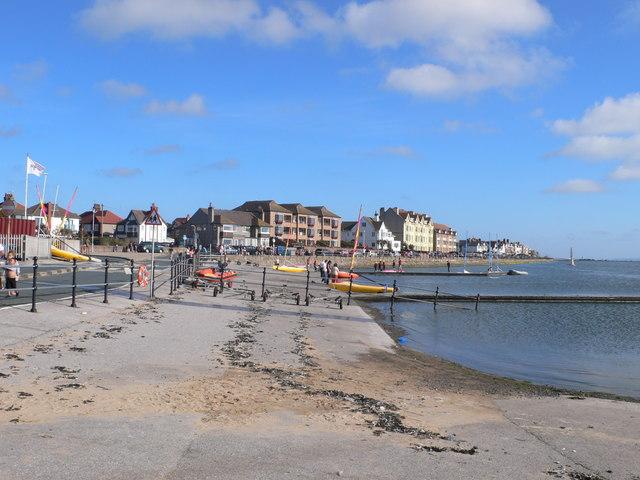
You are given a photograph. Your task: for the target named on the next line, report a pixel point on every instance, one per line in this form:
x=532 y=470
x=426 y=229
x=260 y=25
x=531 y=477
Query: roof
x=228 y=217
x=262 y=205
x=140 y=216
x=235 y=217
x=377 y=224
x=179 y=221
x=298 y=209
x=102 y=216
x=442 y=226
x=36 y=211
x=348 y=225
x=323 y=211
x=19 y=208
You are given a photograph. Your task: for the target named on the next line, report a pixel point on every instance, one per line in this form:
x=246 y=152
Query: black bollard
x=264 y=279
x=221 y=277
x=34 y=285
x=106 y=280
x=350 y=286
x=435 y=298
x=73 y=283
x=306 y=292
x=171 y=275
x=131 y=266
x=477 y=301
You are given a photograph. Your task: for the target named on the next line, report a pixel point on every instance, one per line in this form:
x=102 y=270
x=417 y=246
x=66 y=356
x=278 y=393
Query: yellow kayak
x=63 y=254
x=284 y=268
x=356 y=287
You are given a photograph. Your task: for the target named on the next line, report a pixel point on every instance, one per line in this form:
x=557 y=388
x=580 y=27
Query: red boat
x=347 y=275
x=212 y=274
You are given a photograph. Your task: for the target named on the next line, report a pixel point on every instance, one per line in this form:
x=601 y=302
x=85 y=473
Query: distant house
x=133 y=228
x=177 y=229
x=296 y=224
x=329 y=226
x=51 y=217
x=473 y=246
x=101 y=222
x=9 y=201
x=445 y=239
x=413 y=229
x=215 y=227
x=373 y=234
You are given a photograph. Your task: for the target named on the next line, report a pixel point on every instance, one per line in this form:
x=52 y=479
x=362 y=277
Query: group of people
x=382 y=265
x=10 y=271
x=328 y=271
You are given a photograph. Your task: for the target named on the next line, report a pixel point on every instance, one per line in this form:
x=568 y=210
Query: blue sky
x=519 y=118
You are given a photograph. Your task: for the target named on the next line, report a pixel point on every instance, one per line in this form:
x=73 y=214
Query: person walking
x=448 y=266
x=3 y=259
x=336 y=272
x=329 y=270
x=323 y=271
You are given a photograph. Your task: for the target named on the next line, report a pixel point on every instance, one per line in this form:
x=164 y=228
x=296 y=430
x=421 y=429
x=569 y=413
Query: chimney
x=377 y=217
x=397 y=210
x=381 y=211
x=210 y=212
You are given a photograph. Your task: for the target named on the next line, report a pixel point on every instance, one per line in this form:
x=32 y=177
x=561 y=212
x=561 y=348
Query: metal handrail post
x=106 y=280
x=171 y=275
x=350 y=286
x=393 y=293
x=34 y=285
x=73 y=281
x=264 y=278
x=306 y=291
x=435 y=298
x=131 y=280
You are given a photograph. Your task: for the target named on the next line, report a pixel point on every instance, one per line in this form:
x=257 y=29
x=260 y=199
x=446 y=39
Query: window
x=227 y=228
x=279 y=218
x=326 y=232
x=121 y=228
x=302 y=220
x=310 y=232
x=301 y=231
x=287 y=230
x=311 y=221
x=264 y=230
x=287 y=218
x=326 y=221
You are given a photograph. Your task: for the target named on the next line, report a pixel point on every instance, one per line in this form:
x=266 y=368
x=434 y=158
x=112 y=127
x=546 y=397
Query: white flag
x=34 y=168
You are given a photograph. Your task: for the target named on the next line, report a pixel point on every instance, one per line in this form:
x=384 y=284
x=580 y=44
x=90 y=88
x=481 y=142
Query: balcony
x=279 y=231
x=278 y=220
x=311 y=222
x=334 y=234
x=334 y=223
x=311 y=232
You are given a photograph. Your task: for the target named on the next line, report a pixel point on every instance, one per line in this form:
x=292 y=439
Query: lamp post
x=93 y=225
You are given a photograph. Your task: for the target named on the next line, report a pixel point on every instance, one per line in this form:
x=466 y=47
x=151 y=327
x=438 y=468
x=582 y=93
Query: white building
x=374 y=234
x=133 y=227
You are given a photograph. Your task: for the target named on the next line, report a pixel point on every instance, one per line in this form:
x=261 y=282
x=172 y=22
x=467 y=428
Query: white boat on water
x=572 y=260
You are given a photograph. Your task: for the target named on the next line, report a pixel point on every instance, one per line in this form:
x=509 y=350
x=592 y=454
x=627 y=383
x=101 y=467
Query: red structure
x=17 y=226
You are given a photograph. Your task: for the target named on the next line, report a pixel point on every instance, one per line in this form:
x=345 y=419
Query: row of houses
x=397 y=229
x=504 y=247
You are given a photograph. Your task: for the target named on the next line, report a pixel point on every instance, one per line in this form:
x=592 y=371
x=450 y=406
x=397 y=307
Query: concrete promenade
x=197 y=387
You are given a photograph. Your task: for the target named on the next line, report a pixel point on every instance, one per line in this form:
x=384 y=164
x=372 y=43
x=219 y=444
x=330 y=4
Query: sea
x=579 y=346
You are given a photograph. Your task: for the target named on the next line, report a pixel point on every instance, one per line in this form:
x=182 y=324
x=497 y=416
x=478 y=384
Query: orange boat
x=211 y=273
x=347 y=275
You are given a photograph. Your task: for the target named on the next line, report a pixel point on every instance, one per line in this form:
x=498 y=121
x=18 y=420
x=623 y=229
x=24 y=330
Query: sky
x=517 y=119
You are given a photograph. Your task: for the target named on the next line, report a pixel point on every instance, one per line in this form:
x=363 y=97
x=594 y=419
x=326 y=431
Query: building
x=296 y=224
x=303 y=227
x=329 y=226
x=413 y=229
x=473 y=247
x=99 y=221
x=178 y=231
x=373 y=234
x=445 y=239
x=51 y=217
x=9 y=204
x=133 y=228
x=214 y=227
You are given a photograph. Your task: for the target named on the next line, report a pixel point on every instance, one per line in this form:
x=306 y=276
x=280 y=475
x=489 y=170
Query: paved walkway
x=197 y=387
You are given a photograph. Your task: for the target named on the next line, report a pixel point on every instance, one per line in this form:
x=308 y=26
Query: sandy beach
x=192 y=386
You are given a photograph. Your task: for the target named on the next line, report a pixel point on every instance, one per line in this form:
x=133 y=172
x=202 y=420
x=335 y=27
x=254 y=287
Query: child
x=12 y=269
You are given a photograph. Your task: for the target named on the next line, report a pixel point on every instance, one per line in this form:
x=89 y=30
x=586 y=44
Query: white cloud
x=469 y=46
x=31 y=71
x=191 y=106
x=171 y=20
x=117 y=89
x=608 y=131
x=388 y=23
x=577 y=186
x=163 y=149
x=5 y=93
x=626 y=172
x=9 y=132
x=122 y=172
x=454 y=126
x=611 y=116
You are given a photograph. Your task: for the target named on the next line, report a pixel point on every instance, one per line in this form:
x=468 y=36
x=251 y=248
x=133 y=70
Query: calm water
x=581 y=346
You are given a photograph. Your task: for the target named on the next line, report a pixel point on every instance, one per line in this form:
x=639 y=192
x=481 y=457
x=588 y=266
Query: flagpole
x=26 y=185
